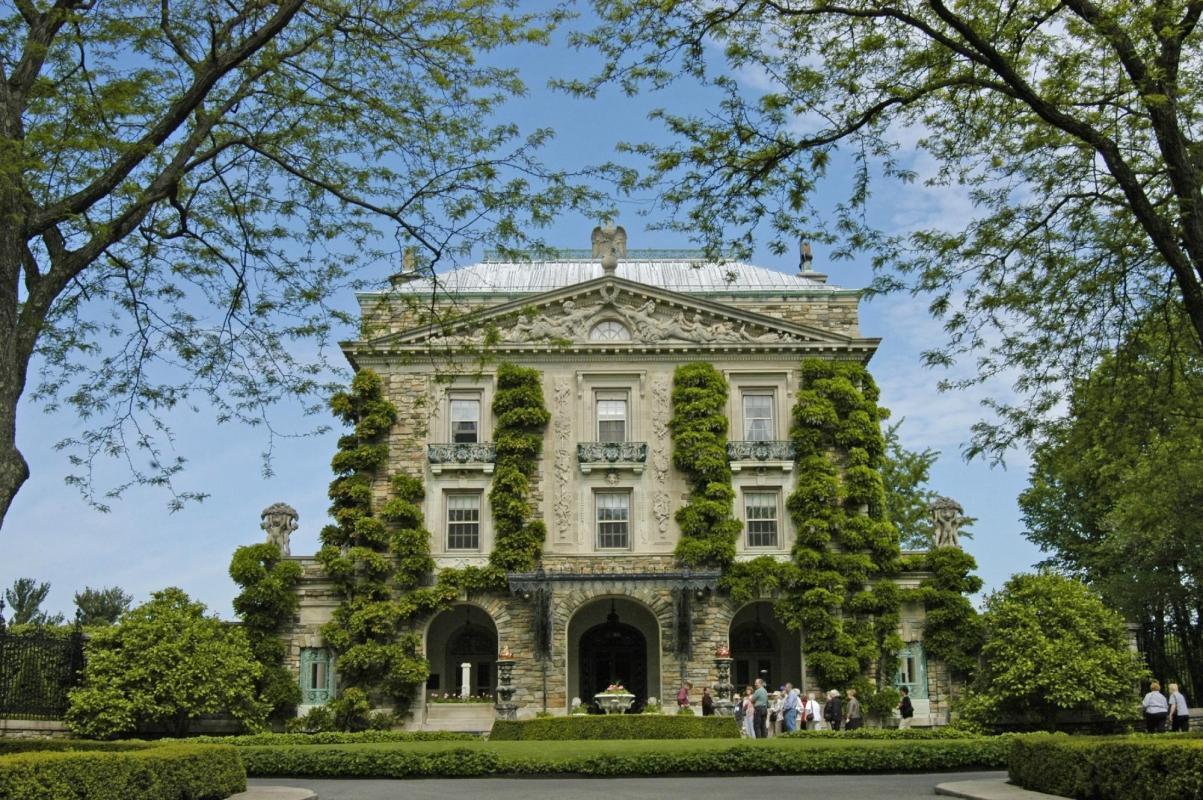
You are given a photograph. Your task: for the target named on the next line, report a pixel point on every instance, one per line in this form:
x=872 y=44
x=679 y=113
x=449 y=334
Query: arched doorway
x=462 y=634
x=614 y=640
x=761 y=647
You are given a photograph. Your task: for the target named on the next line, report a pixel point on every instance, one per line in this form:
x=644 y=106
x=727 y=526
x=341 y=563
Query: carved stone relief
x=648 y=322
x=562 y=465
x=661 y=410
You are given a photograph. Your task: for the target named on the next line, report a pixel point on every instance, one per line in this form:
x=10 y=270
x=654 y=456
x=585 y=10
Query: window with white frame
x=613 y=520
x=760 y=516
x=463 y=521
x=611 y=416
x=465 y=420
x=759 y=425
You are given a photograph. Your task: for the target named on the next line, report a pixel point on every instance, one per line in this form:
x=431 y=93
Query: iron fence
x=37 y=670
x=1173 y=657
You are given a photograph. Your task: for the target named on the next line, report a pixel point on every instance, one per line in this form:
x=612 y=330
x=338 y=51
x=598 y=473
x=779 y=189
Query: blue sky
x=51 y=535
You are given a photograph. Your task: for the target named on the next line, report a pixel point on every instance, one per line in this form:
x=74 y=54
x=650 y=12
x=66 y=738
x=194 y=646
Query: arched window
x=610 y=330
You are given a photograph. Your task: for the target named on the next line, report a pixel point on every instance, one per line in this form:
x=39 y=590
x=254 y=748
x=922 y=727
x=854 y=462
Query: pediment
x=632 y=314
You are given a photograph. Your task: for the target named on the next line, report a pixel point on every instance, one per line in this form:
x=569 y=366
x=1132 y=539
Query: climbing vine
x=699 y=431
x=952 y=631
x=266 y=604
x=847 y=550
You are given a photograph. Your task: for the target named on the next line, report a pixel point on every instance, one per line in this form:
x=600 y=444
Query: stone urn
x=614 y=702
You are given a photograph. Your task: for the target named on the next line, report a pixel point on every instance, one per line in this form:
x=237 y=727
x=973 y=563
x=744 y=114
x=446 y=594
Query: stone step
x=463 y=717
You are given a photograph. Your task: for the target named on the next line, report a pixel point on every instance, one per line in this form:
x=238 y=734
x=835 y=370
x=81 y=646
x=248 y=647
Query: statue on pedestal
x=279 y=520
x=947 y=517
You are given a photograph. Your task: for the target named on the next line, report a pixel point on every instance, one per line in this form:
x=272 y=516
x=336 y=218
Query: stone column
x=465 y=679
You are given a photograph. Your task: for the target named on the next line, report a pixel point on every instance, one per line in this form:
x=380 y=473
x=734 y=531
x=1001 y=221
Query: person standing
x=812 y=713
x=707 y=703
x=760 y=710
x=906 y=709
x=833 y=711
x=683 y=695
x=790 y=708
x=1156 y=709
x=855 y=720
x=1179 y=710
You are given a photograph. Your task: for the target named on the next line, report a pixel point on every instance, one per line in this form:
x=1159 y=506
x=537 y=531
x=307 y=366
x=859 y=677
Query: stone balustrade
x=611 y=455
x=780 y=454
x=462 y=456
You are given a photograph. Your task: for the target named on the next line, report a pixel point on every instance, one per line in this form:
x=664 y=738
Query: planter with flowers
x=615 y=699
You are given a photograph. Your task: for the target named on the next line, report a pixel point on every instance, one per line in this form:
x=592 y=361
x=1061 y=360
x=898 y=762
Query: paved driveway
x=766 y=787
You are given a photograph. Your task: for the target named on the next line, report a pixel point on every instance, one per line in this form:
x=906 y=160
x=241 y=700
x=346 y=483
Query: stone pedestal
x=506 y=708
x=723 y=688
x=465 y=679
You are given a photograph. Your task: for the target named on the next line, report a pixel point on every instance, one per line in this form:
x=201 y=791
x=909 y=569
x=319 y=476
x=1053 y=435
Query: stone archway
x=613 y=639
x=464 y=633
x=762 y=647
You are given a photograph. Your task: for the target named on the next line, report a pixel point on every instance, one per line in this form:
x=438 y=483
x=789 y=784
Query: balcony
x=611 y=455
x=772 y=455
x=464 y=456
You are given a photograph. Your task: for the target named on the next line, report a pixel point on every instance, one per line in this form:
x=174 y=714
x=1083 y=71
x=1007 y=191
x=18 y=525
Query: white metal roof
x=678 y=271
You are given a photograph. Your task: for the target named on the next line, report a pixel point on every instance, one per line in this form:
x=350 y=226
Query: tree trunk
x=14 y=356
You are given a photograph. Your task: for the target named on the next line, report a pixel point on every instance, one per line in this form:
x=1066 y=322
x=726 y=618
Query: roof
x=676 y=270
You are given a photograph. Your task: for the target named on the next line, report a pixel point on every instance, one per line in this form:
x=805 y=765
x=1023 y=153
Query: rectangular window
x=613 y=520
x=611 y=416
x=465 y=420
x=758 y=417
x=912 y=670
x=463 y=522
x=317 y=676
x=760 y=512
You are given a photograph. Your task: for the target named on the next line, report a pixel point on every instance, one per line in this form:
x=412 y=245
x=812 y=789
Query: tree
x=101 y=606
x=905 y=474
x=1072 y=127
x=1114 y=486
x=1052 y=647
x=25 y=598
x=163 y=665
x=186 y=186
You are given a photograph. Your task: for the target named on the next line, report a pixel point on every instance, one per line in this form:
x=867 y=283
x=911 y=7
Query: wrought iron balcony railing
x=461 y=455
x=777 y=454
x=611 y=455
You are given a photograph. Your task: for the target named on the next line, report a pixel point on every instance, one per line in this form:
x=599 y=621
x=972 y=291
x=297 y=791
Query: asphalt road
x=769 y=787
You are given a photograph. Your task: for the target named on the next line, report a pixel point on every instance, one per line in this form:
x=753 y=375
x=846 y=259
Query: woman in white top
x=812 y=712
x=1156 y=708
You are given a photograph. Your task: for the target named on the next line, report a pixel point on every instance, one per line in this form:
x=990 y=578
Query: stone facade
x=606 y=344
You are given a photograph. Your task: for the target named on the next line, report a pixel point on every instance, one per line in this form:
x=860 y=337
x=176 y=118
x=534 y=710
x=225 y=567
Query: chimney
x=409 y=269
x=805 y=262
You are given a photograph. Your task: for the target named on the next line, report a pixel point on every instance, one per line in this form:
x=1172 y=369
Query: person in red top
x=683 y=695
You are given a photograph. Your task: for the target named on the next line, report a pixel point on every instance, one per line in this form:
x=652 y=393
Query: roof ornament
x=609 y=244
x=806 y=262
x=409 y=267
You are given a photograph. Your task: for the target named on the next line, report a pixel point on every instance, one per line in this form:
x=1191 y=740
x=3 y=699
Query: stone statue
x=947 y=517
x=279 y=520
x=609 y=241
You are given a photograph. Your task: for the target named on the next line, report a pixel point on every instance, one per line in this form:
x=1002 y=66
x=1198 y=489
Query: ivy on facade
x=266 y=605
x=699 y=431
x=952 y=632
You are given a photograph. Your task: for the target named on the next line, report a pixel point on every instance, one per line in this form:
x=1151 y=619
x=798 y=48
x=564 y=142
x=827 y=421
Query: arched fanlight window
x=610 y=330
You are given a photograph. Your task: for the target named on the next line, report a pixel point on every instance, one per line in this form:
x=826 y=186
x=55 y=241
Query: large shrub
x=1052 y=647
x=266 y=604
x=162 y=666
x=167 y=772
x=615 y=726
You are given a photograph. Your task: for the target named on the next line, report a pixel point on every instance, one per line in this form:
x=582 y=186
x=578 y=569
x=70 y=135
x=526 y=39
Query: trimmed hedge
x=616 y=758
x=335 y=737
x=615 y=726
x=167 y=772
x=1150 y=767
x=10 y=746
x=908 y=734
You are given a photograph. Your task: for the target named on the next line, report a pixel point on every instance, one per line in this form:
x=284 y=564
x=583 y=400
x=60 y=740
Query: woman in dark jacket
x=833 y=712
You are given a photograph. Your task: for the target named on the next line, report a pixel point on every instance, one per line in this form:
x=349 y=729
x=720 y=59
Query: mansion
x=605 y=328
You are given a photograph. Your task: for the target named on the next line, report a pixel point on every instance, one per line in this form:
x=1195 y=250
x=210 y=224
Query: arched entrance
x=761 y=647
x=461 y=634
x=614 y=640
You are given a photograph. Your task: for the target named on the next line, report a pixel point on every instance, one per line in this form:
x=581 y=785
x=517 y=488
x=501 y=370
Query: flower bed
x=1149 y=767
x=123 y=771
